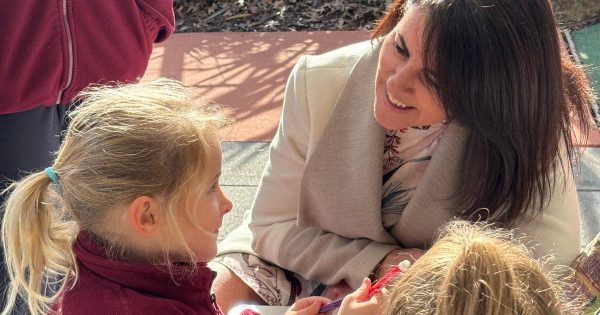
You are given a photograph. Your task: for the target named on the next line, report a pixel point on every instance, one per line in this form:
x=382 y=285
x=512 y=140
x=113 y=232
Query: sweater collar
x=179 y=283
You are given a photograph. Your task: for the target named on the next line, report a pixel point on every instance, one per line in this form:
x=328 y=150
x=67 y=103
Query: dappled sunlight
x=245 y=71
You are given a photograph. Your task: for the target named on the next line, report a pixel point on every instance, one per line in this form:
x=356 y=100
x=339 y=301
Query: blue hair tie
x=51 y=174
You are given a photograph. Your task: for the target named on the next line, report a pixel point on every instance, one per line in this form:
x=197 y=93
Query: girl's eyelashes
x=214 y=186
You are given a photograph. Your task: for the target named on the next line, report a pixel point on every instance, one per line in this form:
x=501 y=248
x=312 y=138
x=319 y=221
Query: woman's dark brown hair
x=498 y=70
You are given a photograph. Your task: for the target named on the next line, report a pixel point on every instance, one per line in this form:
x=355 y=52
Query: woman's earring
x=445 y=121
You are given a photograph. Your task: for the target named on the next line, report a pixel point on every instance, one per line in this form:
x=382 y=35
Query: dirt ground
x=322 y=15
x=575 y=14
x=276 y=15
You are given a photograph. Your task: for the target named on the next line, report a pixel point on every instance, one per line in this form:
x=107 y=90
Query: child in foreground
x=126 y=218
x=472 y=269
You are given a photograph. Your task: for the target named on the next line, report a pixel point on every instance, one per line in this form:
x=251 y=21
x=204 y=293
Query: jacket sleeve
x=311 y=252
x=159 y=18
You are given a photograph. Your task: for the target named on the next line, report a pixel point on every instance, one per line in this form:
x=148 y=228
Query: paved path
x=247 y=71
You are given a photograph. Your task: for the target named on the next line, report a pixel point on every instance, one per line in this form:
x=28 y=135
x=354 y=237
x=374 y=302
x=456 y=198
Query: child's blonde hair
x=475 y=269
x=123 y=142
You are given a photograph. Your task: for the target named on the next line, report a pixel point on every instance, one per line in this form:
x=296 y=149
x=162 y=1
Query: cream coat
x=318 y=207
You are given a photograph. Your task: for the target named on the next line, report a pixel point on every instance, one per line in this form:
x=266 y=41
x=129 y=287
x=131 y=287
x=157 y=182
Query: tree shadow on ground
x=245 y=71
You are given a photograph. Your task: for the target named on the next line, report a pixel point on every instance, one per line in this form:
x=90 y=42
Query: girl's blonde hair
x=474 y=269
x=123 y=142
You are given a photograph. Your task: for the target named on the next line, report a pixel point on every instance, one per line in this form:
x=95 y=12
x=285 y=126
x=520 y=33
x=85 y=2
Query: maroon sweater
x=108 y=286
x=52 y=49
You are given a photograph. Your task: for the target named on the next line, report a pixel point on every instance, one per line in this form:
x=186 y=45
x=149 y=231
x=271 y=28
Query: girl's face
x=402 y=99
x=208 y=209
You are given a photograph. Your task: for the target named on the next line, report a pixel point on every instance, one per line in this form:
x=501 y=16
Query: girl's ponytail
x=37 y=237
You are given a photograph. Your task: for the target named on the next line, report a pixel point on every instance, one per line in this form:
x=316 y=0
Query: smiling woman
x=403 y=97
x=458 y=108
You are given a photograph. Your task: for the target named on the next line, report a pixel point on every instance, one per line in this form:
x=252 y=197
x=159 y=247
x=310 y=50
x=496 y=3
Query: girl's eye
x=213 y=188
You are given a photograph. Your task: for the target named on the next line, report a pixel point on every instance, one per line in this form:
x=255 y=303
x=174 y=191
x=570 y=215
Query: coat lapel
x=341 y=186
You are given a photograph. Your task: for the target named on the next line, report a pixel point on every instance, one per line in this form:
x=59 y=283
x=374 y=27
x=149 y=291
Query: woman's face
x=402 y=99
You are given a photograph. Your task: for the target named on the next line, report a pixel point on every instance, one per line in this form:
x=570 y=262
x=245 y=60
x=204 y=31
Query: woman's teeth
x=397 y=103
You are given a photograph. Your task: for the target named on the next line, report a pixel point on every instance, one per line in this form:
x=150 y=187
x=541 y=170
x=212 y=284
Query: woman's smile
x=397 y=105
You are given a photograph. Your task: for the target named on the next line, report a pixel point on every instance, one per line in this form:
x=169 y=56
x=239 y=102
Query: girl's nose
x=226 y=204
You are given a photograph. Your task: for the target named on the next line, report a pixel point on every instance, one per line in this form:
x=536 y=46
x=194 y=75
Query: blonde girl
x=474 y=269
x=126 y=218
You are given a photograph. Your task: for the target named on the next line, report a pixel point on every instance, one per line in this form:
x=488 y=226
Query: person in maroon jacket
x=128 y=214
x=49 y=51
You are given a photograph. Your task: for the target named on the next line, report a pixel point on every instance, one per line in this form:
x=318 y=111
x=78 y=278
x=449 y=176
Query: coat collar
x=178 y=283
x=342 y=182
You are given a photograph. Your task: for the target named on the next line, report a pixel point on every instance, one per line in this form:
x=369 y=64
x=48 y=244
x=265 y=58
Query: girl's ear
x=143 y=215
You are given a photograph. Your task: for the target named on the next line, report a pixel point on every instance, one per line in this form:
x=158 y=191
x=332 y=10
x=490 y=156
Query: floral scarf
x=406 y=154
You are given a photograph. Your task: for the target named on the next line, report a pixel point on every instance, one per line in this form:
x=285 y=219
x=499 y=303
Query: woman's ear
x=143 y=215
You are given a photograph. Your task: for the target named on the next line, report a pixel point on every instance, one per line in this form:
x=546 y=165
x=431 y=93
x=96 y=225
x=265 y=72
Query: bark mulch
x=276 y=15
x=322 y=15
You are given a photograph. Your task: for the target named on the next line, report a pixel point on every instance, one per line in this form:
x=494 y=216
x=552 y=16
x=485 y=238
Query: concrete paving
x=243 y=163
x=588 y=190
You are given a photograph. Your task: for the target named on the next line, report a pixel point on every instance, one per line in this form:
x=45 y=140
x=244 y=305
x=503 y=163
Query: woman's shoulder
x=343 y=57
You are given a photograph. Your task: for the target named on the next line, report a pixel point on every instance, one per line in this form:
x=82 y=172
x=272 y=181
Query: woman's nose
x=402 y=79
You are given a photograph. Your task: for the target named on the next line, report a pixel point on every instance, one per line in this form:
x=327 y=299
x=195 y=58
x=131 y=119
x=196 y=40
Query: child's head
x=138 y=168
x=474 y=269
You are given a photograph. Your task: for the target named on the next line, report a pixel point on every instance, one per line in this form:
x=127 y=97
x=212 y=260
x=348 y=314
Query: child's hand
x=337 y=291
x=359 y=302
x=307 y=306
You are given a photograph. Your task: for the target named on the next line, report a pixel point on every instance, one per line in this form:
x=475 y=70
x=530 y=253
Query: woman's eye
x=403 y=52
x=400 y=46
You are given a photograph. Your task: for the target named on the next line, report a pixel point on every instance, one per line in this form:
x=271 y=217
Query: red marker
x=376 y=288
